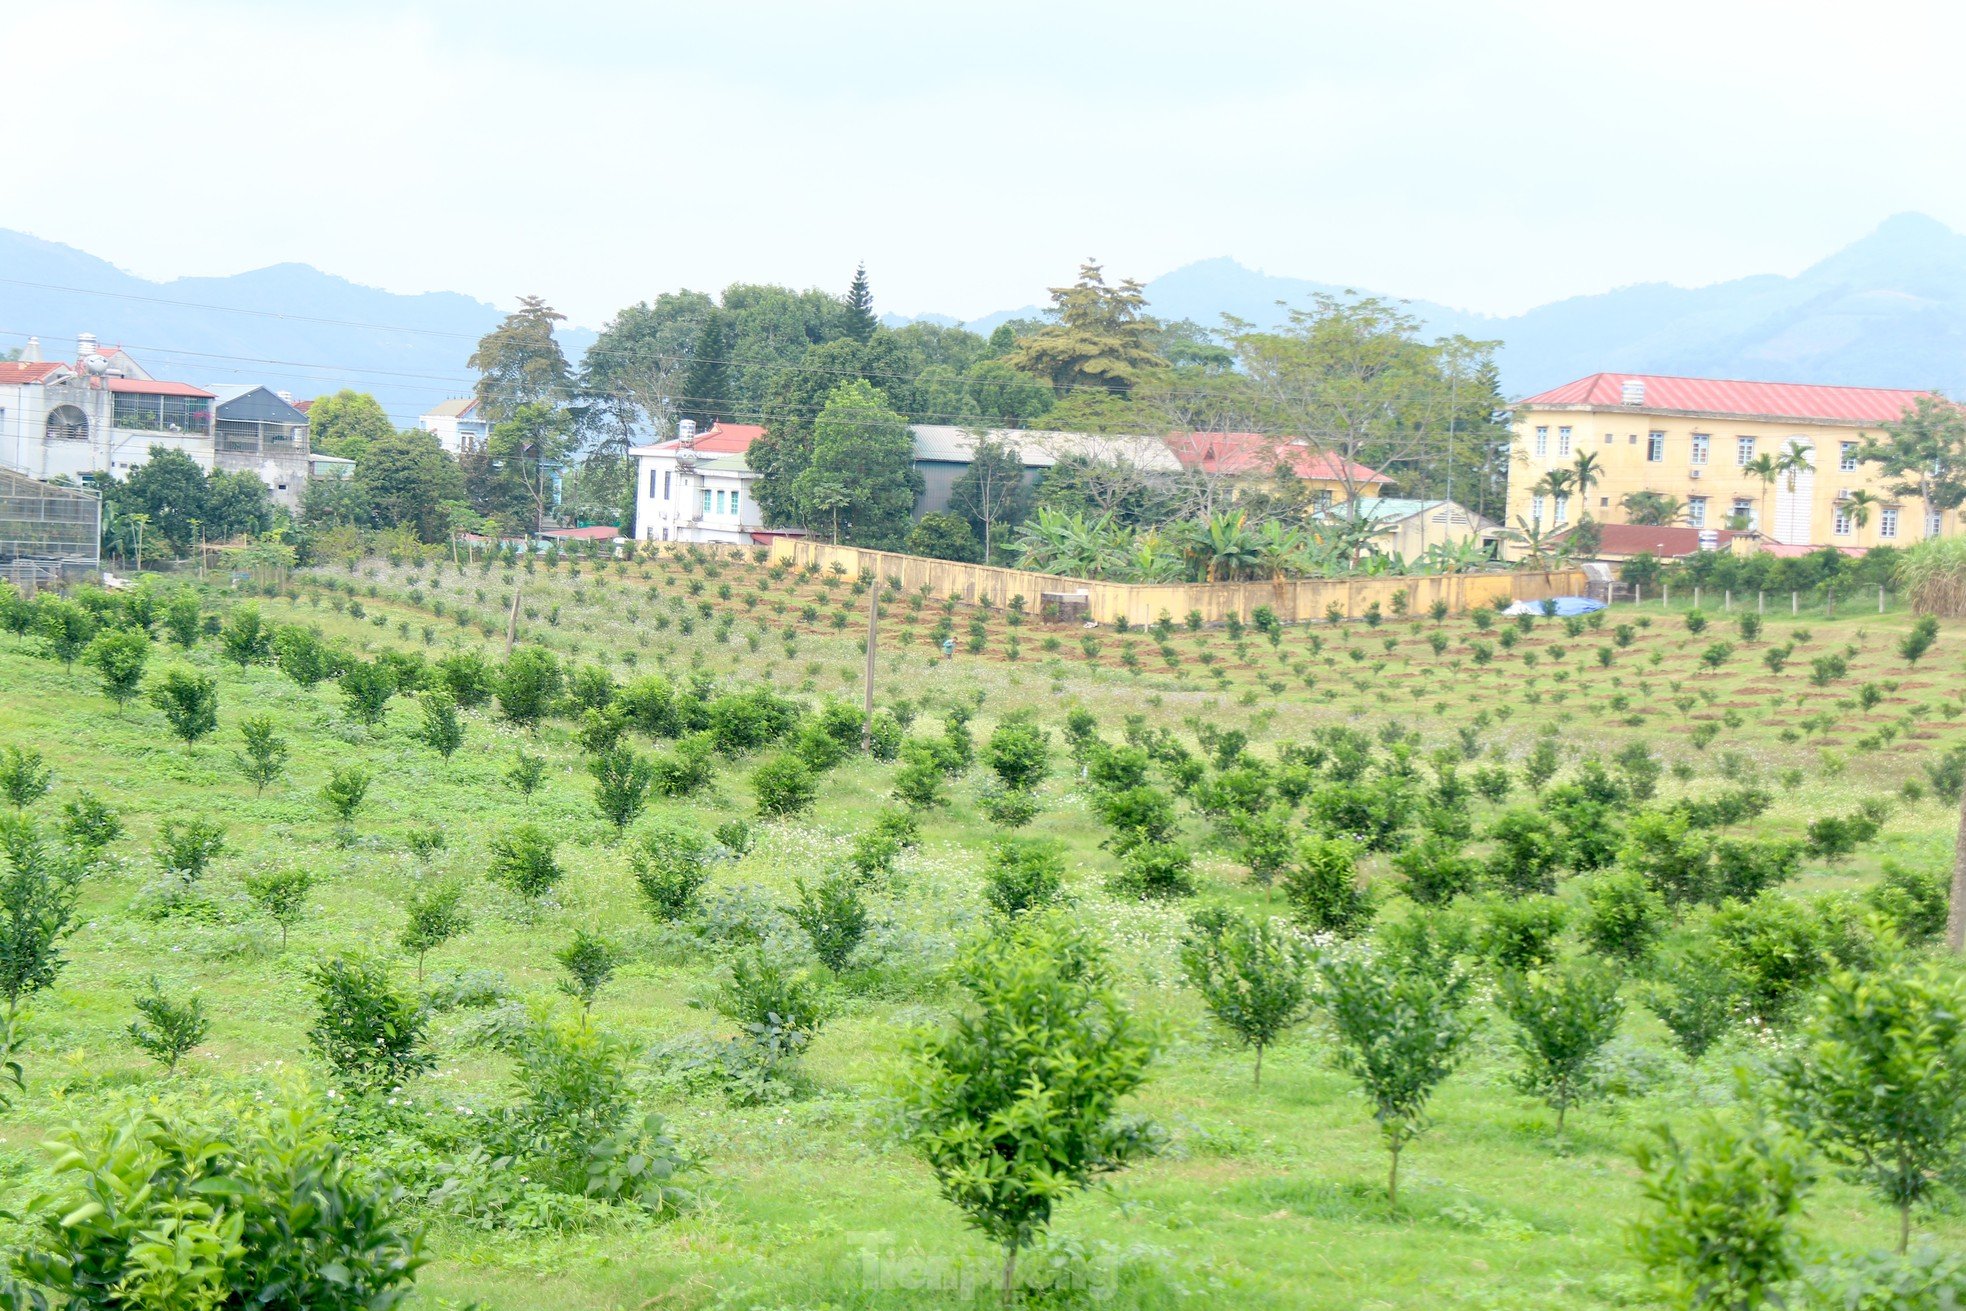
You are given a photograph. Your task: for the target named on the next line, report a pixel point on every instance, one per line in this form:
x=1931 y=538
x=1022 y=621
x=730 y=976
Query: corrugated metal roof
x=1747 y=400
x=1260 y=453
x=453 y=409
x=154 y=387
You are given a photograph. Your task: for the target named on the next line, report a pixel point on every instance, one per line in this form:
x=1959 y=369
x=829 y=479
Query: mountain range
x=1889 y=310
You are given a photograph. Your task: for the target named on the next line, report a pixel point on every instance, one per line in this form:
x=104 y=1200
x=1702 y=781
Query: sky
x=1490 y=156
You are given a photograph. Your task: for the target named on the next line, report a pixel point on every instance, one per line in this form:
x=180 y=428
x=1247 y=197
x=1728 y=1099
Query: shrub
x=24 y=780
x=1019 y=752
x=1022 y=874
x=1251 y=975
x=523 y=859
x=1563 y=1018
x=370 y=1034
x=189 y=701
x=165 y=1029
x=282 y=895
x=1624 y=915
x=1155 y=871
x=918 y=783
x=784 y=787
x=1527 y=853
x=435 y=914
x=834 y=917
x=1437 y=871
x=529 y=686
x=366 y=686
x=1323 y=888
x=186 y=846
x=622 y=779
x=1520 y=933
x=208 y=1208
x=1016 y=1104
x=687 y=769
x=670 y=864
x=89 y=824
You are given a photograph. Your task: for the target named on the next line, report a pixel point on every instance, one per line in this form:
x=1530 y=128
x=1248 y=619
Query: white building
x=457 y=426
x=101 y=414
x=697 y=487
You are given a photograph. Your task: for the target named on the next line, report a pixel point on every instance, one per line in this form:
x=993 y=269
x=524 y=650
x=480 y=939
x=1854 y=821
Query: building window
x=1887 y=523
x=665 y=484
x=1696 y=511
x=1700 y=443
x=1563 y=509
x=1934 y=523
x=1542 y=442
x=1742 y=517
x=1611 y=439
x=706 y=500
x=651 y=484
x=1848 y=462
x=1563 y=443
x=1535 y=509
x=1321 y=499
x=1743 y=450
x=1603 y=501
x=1655 y=447
x=733 y=502
x=720 y=501
x=1842 y=525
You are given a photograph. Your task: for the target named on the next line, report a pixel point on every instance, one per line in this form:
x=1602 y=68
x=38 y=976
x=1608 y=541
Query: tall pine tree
x=860 y=320
x=706 y=387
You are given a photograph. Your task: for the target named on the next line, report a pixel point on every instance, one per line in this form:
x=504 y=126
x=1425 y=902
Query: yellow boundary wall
x=1305 y=600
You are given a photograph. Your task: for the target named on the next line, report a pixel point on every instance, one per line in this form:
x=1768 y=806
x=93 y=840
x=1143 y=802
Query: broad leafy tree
x=1253 y=975
x=861 y=484
x=346 y=423
x=520 y=363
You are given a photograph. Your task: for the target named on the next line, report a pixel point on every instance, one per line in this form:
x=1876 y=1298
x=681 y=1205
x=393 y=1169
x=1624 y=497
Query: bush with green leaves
x=166 y=1028
x=623 y=778
x=575 y=1126
x=1019 y=753
x=1521 y=933
x=523 y=858
x=1401 y=1031
x=589 y=961
x=212 y=1209
x=1774 y=949
x=118 y=655
x=1015 y=1103
x=919 y=783
x=441 y=727
x=468 y=676
x=1913 y=645
x=686 y=769
x=281 y=894
x=185 y=847
x=778 y=1009
x=24 y=779
x=189 y=701
x=1528 y=849
x=264 y=756
x=435 y=914
x=527 y=772
x=347 y=787
x=783 y=786
x=1252 y=975
x=88 y=824
x=1721 y=1231
x=1023 y=874
x=1877 y=1078
x=370 y=1034
x=1624 y=915
x=366 y=687
x=1155 y=871
x=834 y=917
x=1563 y=1017
x=246 y=638
x=65 y=626
x=302 y=656
x=528 y=687
x=1323 y=889
x=670 y=863
x=1911 y=903
x=38 y=886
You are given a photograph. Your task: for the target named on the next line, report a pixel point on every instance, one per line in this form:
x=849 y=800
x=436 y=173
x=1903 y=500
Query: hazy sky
x=1490 y=155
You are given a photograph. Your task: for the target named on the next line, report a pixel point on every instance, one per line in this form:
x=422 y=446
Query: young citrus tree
x=1401 y=1030
x=1563 y=1017
x=1015 y=1104
x=1251 y=974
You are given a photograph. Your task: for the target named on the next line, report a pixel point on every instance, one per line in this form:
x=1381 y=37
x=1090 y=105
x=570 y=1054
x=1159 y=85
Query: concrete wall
x=1295 y=601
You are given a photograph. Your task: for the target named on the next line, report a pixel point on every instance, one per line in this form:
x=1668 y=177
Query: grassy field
x=1265 y=1197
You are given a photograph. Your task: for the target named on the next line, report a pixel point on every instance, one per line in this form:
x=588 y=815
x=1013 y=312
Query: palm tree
x=1585 y=473
x=1858 y=505
x=1765 y=467
x=1650 y=509
x=1543 y=549
x=1794 y=463
x=1554 y=484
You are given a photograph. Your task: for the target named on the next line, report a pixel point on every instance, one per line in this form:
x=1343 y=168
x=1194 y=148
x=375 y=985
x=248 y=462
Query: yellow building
x=1702 y=443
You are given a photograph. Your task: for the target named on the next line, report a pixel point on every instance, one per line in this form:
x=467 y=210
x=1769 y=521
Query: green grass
x=1266 y=1197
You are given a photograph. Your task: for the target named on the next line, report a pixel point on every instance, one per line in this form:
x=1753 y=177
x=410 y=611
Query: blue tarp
x=1564 y=606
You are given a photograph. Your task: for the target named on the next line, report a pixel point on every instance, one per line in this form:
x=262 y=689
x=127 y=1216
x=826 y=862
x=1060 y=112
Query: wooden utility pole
x=867 y=699
x=512 y=620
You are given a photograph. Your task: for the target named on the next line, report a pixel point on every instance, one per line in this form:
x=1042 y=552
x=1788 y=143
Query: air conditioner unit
x=1694 y=473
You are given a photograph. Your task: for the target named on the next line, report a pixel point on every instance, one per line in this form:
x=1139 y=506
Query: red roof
x=720 y=439
x=151 y=387
x=1254 y=452
x=304 y=406
x=1776 y=400
x=1668 y=541
x=14 y=372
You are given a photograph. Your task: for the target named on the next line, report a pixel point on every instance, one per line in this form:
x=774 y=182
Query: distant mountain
x=289 y=326
x=1886 y=311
